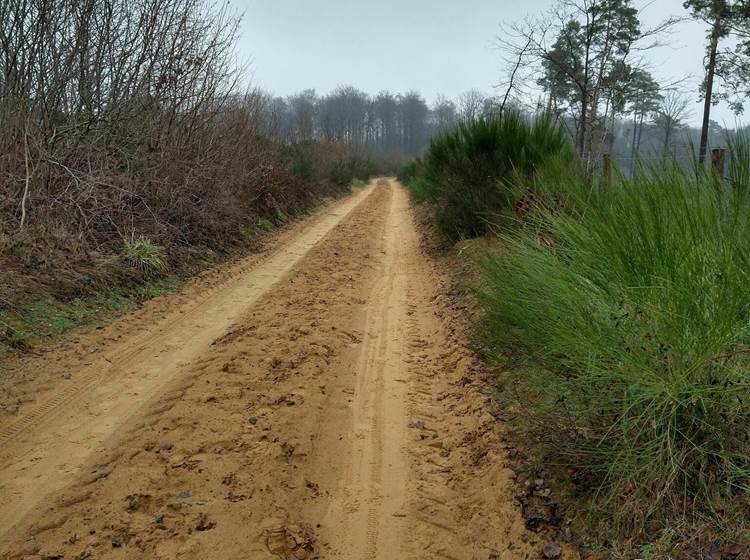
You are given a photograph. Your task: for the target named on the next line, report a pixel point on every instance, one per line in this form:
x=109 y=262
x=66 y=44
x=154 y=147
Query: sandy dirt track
x=320 y=402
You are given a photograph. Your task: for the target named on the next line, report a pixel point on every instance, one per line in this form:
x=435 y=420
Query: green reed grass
x=628 y=333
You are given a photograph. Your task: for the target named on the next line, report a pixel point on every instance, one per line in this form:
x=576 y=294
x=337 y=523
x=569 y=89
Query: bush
x=144 y=255
x=342 y=174
x=338 y=165
x=628 y=333
x=466 y=173
x=408 y=171
x=346 y=172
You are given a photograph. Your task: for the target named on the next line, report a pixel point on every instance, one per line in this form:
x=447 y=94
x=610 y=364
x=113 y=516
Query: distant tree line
x=651 y=122
x=390 y=123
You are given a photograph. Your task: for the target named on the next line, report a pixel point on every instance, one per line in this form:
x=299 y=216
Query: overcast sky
x=433 y=46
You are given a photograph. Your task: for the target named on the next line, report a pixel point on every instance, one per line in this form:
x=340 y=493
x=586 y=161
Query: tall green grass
x=465 y=173
x=627 y=334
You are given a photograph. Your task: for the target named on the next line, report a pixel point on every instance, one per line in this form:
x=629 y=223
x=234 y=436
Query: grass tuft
x=145 y=255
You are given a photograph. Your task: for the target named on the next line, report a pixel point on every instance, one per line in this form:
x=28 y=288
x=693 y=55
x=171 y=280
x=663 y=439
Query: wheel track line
x=374 y=489
x=375 y=503
x=367 y=455
x=377 y=468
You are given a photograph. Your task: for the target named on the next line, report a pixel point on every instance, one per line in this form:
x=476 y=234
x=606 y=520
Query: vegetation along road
x=316 y=401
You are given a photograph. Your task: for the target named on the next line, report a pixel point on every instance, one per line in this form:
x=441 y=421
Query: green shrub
x=342 y=174
x=156 y=289
x=466 y=172
x=250 y=232
x=281 y=217
x=13 y=337
x=301 y=160
x=626 y=333
x=345 y=172
x=408 y=171
x=247 y=232
x=144 y=255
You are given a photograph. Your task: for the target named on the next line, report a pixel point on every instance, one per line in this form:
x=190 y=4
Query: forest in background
x=396 y=124
x=400 y=126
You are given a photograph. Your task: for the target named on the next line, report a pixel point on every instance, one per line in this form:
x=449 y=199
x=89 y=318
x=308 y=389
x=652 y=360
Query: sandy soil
x=318 y=402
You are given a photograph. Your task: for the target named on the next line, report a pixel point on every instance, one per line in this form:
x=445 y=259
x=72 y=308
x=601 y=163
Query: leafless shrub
x=124 y=117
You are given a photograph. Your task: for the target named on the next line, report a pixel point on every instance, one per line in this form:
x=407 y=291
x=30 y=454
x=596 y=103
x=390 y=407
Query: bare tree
x=470 y=104
x=104 y=75
x=385 y=110
x=670 y=117
x=582 y=54
x=303 y=108
x=444 y=114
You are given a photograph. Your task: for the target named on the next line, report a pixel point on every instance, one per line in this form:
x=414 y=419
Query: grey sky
x=433 y=46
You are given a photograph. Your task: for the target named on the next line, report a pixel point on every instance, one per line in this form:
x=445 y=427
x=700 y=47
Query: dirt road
x=316 y=402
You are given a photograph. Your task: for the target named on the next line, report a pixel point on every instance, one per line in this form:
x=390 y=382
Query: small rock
x=116 y=543
x=252 y=420
x=136 y=502
x=230 y=479
x=712 y=553
x=204 y=523
x=735 y=549
x=166 y=446
x=552 y=551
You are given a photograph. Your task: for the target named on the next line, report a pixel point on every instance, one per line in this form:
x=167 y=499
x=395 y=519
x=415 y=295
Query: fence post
x=718 y=155
x=607 y=168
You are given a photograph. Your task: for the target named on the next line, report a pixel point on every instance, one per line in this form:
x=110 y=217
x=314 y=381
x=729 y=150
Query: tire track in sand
x=43 y=450
x=366 y=519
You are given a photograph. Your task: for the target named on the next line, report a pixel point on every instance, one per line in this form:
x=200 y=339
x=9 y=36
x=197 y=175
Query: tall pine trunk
x=711 y=70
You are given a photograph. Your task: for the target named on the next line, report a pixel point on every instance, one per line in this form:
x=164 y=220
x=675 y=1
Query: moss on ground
x=47 y=318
